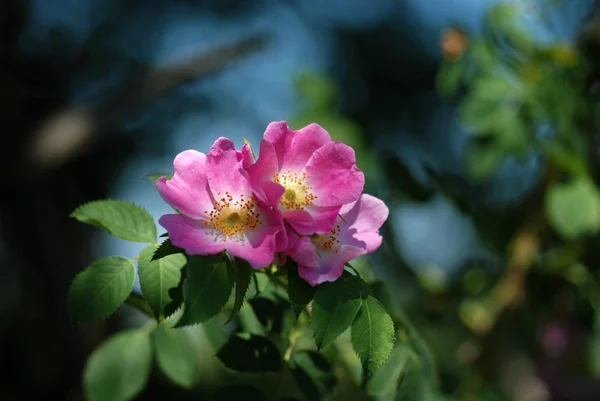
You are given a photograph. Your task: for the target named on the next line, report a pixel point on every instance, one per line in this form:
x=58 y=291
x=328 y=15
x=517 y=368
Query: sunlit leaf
x=157 y=277
x=373 y=335
x=333 y=310
x=385 y=381
x=122 y=219
x=101 y=288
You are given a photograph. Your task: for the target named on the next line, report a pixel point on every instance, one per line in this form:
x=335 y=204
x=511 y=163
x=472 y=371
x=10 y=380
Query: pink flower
x=321 y=258
x=218 y=212
x=305 y=175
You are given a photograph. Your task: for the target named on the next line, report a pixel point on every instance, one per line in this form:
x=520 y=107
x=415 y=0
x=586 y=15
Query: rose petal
x=191 y=235
x=188 y=190
x=334 y=176
x=224 y=168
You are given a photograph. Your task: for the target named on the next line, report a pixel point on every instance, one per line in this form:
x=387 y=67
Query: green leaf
x=239 y=392
x=300 y=293
x=100 y=289
x=176 y=294
x=207 y=288
x=166 y=248
x=372 y=335
x=385 y=380
x=243 y=274
x=155 y=176
x=157 y=277
x=573 y=208
x=411 y=383
x=119 y=369
x=448 y=79
x=177 y=352
x=313 y=374
x=333 y=310
x=122 y=219
x=250 y=353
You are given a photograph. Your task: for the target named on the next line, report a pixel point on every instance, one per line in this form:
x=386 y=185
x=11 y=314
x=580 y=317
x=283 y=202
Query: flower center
x=297 y=193
x=327 y=242
x=231 y=218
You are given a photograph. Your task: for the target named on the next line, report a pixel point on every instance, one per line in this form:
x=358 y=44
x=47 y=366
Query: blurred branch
x=71 y=132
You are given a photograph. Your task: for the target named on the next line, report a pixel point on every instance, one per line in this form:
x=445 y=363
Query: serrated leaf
x=177 y=353
x=300 y=293
x=119 y=369
x=359 y=286
x=101 y=288
x=313 y=374
x=239 y=392
x=166 y=248
x=372 y=335
x=155 y=176
x=122 y=219
x=573 y=208
x=333 y=310
x=157 y=277
x=176 y=295
x=385 y=380
x=250 y=353
x=206 y=289
x=243 y=274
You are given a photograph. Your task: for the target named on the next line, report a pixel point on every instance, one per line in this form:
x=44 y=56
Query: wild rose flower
x=218 y=212
x=305 y=175
x=322 y=257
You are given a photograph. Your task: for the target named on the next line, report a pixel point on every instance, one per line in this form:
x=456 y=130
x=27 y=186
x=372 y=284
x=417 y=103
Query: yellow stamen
x=230 y=218
x=297 y=193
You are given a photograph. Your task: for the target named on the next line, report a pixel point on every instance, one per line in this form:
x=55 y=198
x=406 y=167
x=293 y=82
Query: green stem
x=136 y=301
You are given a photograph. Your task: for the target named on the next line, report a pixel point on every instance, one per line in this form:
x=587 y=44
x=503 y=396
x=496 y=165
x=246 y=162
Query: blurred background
x=475 y=120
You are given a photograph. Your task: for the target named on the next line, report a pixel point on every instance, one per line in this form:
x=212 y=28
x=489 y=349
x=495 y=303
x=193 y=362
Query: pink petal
x=263 y=170
x=191 y=235
x=304 y=143
x=261 y=243
x=224 y=168
x=272 y=192
x=331 y=265
x=304 y=253
x=364 y=220
x=312 y=220
x=247 y=157
x=294 y=148
x=334 y=176
x=188 y=190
